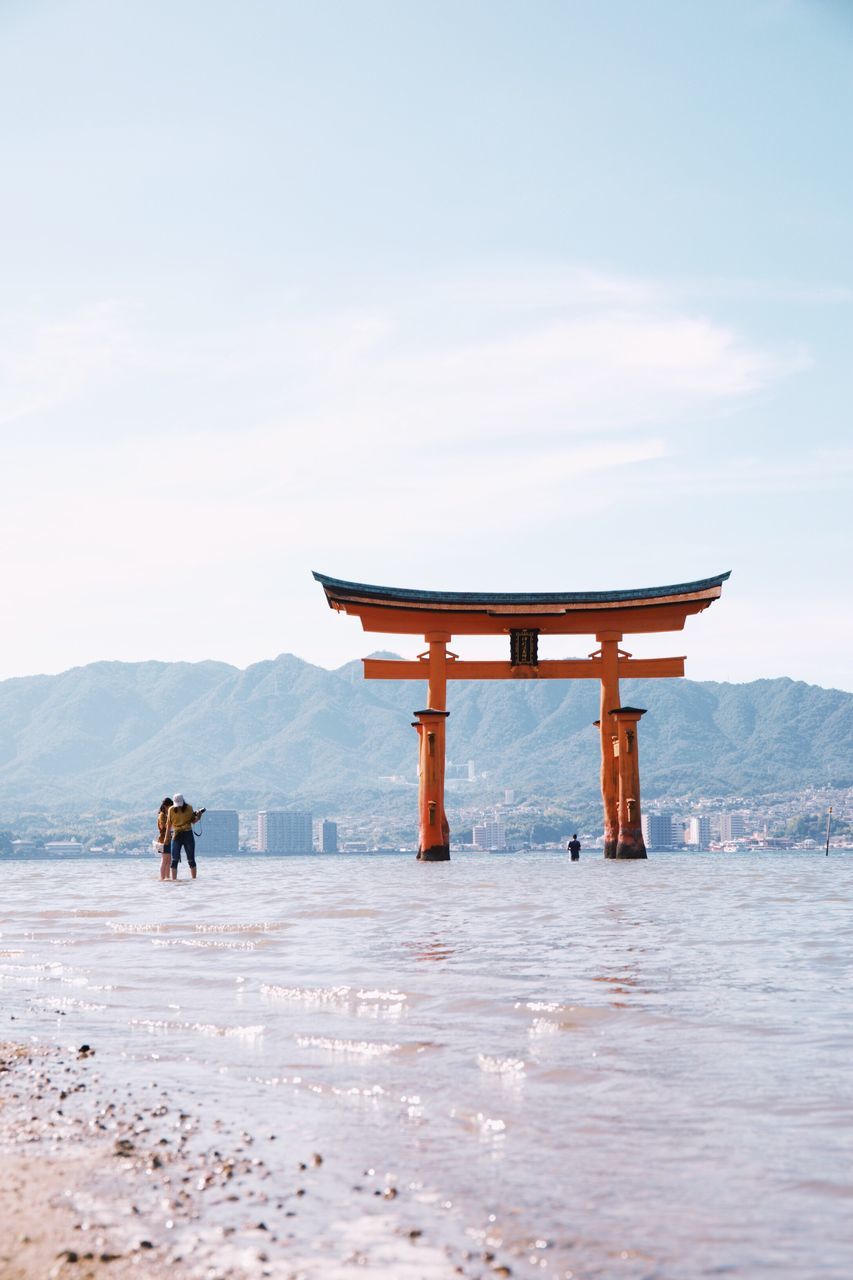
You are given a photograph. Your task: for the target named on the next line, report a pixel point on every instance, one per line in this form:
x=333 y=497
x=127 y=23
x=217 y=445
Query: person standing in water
x=163 y=839
x=574 y=848
x=179 y=824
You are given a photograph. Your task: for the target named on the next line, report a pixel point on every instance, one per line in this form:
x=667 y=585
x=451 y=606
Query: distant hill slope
x=119 y=735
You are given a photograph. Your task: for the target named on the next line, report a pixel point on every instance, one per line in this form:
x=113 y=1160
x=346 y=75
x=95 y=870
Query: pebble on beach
x=105 y=1161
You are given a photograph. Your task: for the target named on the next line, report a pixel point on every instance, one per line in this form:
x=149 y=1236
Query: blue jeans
x=183 y=840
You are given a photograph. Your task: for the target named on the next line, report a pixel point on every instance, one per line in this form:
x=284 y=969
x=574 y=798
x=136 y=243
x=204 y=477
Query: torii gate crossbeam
x=607 y=615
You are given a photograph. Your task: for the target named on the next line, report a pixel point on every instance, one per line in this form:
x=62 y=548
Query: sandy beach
x=96 y=1181
x=53 y=1157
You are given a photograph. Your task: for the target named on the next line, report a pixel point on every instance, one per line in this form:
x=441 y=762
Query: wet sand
x=69 y=1161
x=96 y=1182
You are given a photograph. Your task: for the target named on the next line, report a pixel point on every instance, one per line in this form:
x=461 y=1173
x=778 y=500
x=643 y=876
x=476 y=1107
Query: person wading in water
x=163 y=838
x=574 y=848
x=179 y=827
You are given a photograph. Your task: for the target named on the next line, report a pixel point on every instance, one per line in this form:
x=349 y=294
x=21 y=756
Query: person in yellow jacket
x=179 y=828
x=162 y=837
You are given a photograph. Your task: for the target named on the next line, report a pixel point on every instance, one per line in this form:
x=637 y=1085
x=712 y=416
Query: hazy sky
x=457 y=293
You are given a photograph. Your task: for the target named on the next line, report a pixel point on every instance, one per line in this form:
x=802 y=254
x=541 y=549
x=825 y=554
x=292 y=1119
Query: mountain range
x=115 y=736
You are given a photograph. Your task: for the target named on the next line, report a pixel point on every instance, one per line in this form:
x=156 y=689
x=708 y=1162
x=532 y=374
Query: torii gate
x=608 y=615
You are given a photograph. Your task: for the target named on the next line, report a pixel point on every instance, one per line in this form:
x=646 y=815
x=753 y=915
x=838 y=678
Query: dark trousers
x=183 y=840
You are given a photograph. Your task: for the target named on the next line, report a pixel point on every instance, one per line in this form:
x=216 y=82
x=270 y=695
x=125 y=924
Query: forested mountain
x=117 y=735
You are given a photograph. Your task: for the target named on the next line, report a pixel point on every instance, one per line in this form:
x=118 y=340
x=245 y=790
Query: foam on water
x=352 y=1048
x=569 y=1051
x=500 y=1066
x=161 y=1025
x=118 y=927
x=310 y=997
x=69 y=1002
x=204 y=944
x=265 y=926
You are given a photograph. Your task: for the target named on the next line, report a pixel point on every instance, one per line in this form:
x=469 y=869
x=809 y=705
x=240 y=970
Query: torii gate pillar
x=609 y=656
x=431 y=724
x=630 y=843
x=433 y=827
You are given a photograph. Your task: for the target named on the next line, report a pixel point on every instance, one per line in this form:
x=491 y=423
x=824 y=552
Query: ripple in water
x=585 y=1046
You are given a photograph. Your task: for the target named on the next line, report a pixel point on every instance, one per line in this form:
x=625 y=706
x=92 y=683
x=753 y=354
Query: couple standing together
x=175 y=832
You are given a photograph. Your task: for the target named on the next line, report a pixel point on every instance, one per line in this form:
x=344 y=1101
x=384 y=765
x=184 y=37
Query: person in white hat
x=179 y=829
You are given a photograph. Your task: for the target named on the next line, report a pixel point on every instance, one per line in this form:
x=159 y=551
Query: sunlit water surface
x=629 y=1069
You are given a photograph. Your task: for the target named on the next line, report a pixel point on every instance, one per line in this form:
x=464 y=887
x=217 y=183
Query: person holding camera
x=179 y=829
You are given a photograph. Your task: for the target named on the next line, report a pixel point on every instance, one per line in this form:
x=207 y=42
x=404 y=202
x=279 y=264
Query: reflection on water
x=430 y=949
x=629 y=1071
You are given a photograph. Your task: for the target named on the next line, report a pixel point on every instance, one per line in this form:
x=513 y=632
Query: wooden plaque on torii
x=438 y=616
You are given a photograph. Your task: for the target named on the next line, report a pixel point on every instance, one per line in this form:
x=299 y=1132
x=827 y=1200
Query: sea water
x=610 y=1069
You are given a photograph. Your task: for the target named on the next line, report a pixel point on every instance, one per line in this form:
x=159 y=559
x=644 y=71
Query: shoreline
x=97 y=1180
x=51 y=1152
x=592 y=853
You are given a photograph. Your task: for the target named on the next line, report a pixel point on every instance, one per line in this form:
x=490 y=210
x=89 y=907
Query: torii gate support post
x=630 y=843
x=434 y=832
x=609 y=642
x=431 y=724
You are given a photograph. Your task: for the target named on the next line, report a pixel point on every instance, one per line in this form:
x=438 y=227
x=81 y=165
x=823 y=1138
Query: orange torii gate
x=607 y=615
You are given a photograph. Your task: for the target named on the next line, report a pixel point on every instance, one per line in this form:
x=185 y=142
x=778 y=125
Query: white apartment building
x=327 y=836
x=220 y=831
x=280 y=831
x=732 y=827
x=490 y=834
x=657 y=830
x=697 y=833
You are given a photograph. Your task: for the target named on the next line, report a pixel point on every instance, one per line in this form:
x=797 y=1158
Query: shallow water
x=632 y=1070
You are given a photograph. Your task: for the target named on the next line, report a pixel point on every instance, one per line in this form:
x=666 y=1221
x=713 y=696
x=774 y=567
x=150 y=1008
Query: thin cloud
x=596 y=353
x=810 y=472
x=235 y=457
x=46 y=364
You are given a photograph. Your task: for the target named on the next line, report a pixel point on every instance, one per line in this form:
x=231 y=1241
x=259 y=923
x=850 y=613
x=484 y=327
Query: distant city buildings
x=280 y=831
x=327 y=836
x=665 y=831
x=220 y=831
x=509 y=796
x=63 y=848
x=490 y=834
x=697 y=832
x=779 y=820
x=657 y=830
x=24 y=848
x=732 y=827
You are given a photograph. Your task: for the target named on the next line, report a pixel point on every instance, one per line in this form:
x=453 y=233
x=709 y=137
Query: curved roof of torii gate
x=402 y=610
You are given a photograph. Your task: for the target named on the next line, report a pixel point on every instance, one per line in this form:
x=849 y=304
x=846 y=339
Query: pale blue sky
x=274 y=273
